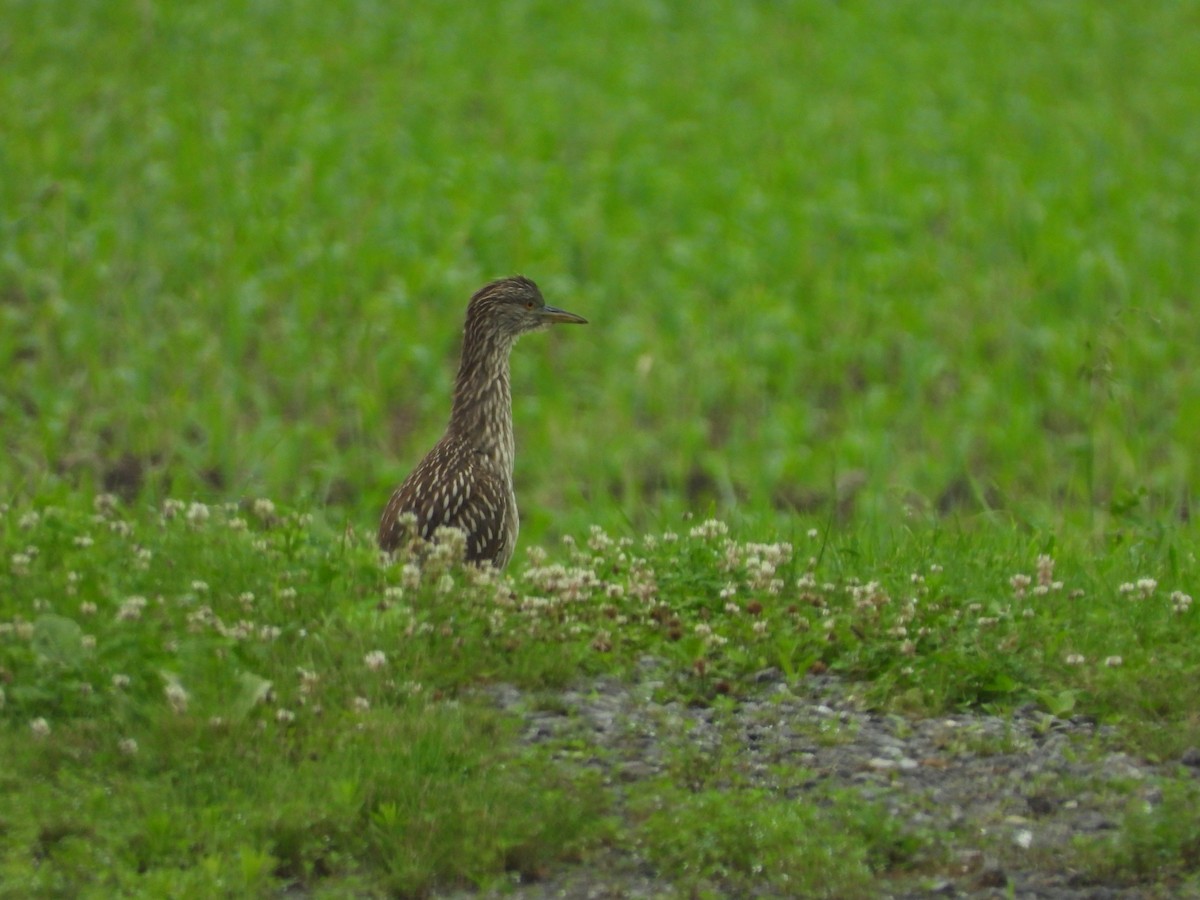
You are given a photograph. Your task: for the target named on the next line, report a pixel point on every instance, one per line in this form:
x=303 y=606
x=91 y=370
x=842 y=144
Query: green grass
x=906 y=286
x=239 y=698
x=861 y=241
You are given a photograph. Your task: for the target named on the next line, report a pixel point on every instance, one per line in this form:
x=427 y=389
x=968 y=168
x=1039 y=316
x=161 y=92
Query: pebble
x=965 y=772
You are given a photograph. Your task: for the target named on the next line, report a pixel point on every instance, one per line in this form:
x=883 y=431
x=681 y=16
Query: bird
x=466 y=480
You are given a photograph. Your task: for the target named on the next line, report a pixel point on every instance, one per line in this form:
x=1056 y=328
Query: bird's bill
x=554 y=314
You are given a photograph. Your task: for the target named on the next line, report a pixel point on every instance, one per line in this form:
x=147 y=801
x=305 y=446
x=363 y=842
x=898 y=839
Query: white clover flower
x=709 y=529
x=177 y=697
x=40 y=728
x=410 y=576
x=128 y=747
x=375 y=660
x=598 y=540
x=264 y=508
x=284 y=716
x=131 y=609
x=1113 y=661
x=1045 y=570
x=197 y=513
x=1075 y=659
x=360 y=704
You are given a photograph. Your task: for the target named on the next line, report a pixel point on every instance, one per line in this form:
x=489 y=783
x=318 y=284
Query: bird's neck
x=482 y=411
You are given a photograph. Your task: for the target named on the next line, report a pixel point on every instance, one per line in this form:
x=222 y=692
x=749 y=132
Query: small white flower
x=40 y=728
x=120 y=682
x=361 y=704
x=1113 y=661
x=131 y=609
x=708 y=529
x=1075 y=659
x=284 y=716
x=128 y=747
x=375 y=660
x=177 y=697
x=410 y=576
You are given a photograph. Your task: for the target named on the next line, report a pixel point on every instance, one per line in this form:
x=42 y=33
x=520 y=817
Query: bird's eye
x=529 y=304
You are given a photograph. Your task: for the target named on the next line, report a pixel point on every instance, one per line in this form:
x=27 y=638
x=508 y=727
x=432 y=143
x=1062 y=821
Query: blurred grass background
x=914 y=254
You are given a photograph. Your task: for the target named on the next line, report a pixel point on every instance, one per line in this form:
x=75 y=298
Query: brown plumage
x=465 y=481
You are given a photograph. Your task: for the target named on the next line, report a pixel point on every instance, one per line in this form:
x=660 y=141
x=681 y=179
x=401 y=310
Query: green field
x=919 y=277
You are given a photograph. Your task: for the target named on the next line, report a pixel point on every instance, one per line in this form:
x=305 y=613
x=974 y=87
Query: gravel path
x=1013 y=790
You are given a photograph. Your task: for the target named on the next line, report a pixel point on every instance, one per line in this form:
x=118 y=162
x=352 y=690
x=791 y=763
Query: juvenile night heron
x=466 y=480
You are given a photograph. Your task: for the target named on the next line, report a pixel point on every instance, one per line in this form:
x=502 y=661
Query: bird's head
x=514 y=306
